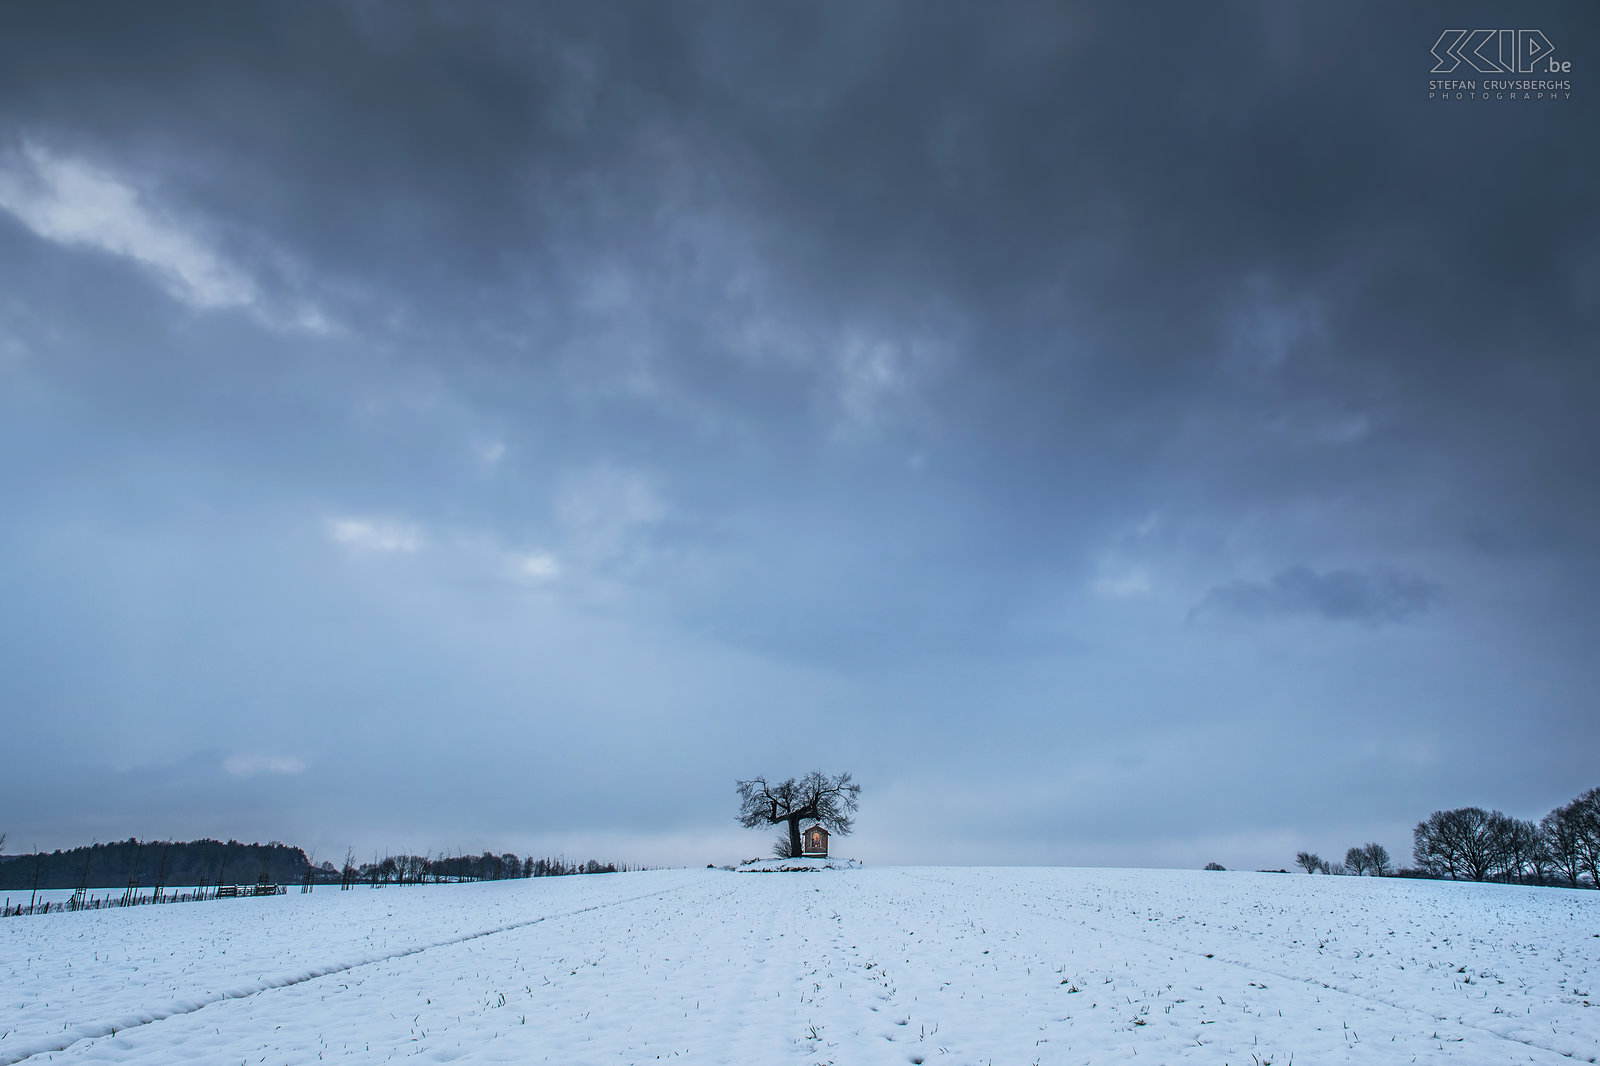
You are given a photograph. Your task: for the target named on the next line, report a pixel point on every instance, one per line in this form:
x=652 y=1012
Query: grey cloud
x=1373 y=597
x=814 y=365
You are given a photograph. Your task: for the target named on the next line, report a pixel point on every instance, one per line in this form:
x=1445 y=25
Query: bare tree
x=1586 y=817
x=828 y=801
x=1378 y=859
x=1516 y=841
x=1462 y=843
x=1541 y=863
x=1561 y=830
x=1430 y=848
x=1356 y=861
x=1308 y=861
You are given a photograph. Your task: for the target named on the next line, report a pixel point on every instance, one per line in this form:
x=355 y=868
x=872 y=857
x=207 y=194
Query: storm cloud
x=1373 y=598
x=418 y=423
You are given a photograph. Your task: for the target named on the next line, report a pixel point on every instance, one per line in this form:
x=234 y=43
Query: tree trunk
x=794 y=836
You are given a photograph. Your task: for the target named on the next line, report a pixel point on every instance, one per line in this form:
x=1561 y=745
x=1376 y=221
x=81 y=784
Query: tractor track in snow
x=91 y=1031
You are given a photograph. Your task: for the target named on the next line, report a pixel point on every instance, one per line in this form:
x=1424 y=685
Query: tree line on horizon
x=153 y=863
x=449 y=869
x=1472 y=844
x=1369 y=858
x=160 y=863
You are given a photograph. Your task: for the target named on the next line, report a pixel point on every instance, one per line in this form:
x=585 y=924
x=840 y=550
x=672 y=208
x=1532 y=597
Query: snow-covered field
x=936 y=965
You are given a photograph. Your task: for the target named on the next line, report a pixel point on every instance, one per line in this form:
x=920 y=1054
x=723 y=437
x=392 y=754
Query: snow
x=937 y=964
x=804 y=864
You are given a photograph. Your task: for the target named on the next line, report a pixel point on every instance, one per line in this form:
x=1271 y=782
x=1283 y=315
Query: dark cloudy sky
x=1119 y=437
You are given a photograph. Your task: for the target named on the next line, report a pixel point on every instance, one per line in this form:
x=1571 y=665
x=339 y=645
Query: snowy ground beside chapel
x=935 y=965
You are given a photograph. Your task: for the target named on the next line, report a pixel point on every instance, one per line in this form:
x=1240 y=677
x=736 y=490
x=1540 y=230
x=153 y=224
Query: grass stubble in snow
x=916 y=965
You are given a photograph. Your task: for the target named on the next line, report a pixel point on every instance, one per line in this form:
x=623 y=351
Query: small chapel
x=814 y=843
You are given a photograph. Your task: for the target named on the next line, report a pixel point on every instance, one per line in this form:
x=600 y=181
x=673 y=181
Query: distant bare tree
x=1516 y=841
x=1378 y=860
x=1540 y=862
x=828 y=801
x=1586 y=816
x=1461 y=843
x=1430 y=847
x=1561 y=830
x=1356 y=861
x=1308 y=861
